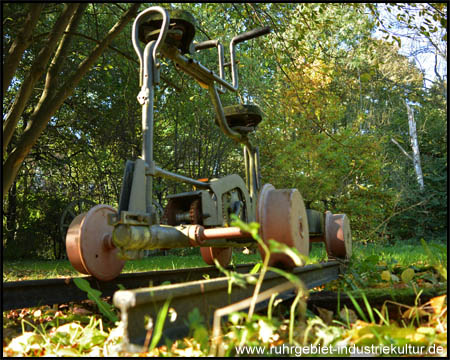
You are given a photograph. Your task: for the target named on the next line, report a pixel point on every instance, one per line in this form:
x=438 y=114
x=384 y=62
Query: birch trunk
x=415 y=146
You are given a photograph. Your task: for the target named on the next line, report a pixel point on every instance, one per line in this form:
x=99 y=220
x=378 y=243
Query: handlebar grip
x=251 y=34
x=206 y=44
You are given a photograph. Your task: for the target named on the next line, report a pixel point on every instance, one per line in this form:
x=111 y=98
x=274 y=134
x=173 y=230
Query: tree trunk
x=415 y=146
x=11 y=214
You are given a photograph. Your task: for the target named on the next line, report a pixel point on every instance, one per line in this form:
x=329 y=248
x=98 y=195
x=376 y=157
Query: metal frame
x=140 y=210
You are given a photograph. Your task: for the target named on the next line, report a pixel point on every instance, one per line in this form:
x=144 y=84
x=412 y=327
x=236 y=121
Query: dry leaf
x=81 y=311
x=414 y=311
x=352 y=318
x=407 y=275
x=386 y=275
x=437 y=303
x=325 y=314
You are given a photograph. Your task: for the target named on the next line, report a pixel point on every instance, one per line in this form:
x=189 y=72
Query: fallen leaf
x=352 y=318
x=407 y=275
x=437 y=303
x=81 y=311
x=386 y=275
x=414 y=311
x=325 y=314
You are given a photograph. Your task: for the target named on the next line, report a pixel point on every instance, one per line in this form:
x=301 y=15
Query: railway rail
x=207 y=296
x=30 y=293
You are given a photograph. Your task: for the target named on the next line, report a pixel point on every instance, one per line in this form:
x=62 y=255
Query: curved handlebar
x=234 y=41
x=159 y=41
x=251 y=34
x=199 y=46
x=237 y=39
x=206 y=44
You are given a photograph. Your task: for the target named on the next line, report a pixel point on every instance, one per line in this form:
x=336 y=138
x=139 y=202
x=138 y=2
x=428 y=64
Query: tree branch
x=403 y=150
x=20 y=44
x=126 y=56
x=37 y=69
x=61 y=53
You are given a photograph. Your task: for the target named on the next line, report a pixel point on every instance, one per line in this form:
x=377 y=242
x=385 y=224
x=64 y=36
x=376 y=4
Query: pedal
x=243 y=118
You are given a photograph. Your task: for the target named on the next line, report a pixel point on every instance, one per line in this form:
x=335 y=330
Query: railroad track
x=30 y=293
x=206 y=295
x=188 y=289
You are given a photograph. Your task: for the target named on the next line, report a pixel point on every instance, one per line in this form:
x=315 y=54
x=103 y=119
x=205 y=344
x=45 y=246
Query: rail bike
x=99 y=241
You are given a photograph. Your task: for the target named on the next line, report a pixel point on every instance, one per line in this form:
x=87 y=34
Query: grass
x=404 y=254
x=176 y=259
x=399 y=254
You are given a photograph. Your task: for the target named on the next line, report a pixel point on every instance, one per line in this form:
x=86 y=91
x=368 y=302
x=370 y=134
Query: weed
x=94 y=295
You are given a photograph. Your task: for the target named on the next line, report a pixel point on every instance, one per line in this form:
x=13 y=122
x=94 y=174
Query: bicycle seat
x=181 y=29
x=243 y=118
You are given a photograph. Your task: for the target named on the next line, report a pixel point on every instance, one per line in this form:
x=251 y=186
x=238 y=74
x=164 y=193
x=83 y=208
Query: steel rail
x=30 y=293
x=207 y=295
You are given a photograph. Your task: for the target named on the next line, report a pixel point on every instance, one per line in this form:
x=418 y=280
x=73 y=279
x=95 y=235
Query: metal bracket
x=143 y=95
x=129 y=218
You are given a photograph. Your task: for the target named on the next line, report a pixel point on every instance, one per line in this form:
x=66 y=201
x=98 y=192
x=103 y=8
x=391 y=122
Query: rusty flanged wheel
x=89 y=244
x=223 y=255
x=282 y=216
x=338 y=236
x=70 y=212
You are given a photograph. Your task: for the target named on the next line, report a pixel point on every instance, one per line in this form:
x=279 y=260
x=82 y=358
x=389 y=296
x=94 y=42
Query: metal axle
x=141 y=237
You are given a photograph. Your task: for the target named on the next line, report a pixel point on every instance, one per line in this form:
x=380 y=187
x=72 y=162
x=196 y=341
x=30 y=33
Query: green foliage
x=159 y=325
x=94 y=294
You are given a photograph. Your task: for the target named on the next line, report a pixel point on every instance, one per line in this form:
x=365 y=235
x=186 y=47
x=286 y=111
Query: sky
x=415 y=48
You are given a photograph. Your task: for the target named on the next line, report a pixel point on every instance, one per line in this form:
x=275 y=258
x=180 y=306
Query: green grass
x=403 y=254
x=398 y=254
x=46 y=269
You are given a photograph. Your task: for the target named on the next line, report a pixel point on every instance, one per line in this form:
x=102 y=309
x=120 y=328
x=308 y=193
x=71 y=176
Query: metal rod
x=223 y=122
x=232 y=242
x=247 y=169
x=161 y=37
x=257 y=169
x=147 y=120
x=140 y=237
x=196 y=70
x=224 y=232
x=252 y=174
x=176 y=177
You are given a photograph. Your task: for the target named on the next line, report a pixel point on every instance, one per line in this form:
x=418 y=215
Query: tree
x=54 y=93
